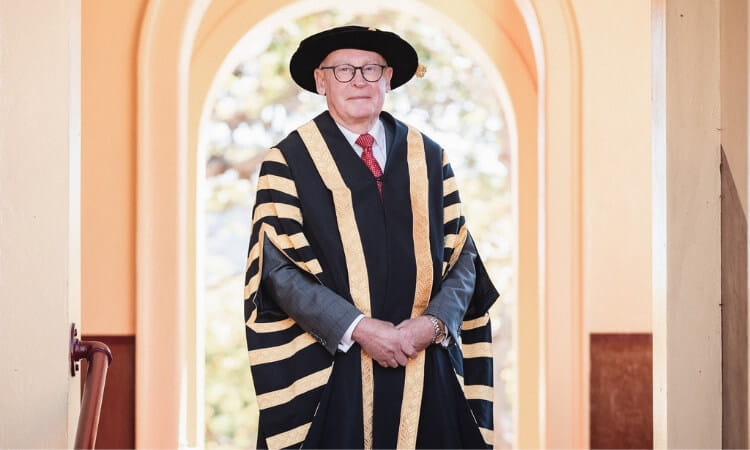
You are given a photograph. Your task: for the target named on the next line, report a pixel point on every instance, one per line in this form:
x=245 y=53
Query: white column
x=686 y=224
x=39 y=220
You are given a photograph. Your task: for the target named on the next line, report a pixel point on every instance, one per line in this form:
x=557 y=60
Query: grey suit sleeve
x=450 y=303
x=316 y=308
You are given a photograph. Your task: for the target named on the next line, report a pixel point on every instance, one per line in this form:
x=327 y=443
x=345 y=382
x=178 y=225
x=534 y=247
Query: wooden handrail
x=99 y=358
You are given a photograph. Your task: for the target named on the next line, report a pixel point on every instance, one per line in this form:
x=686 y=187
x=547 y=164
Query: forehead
x=353 y=56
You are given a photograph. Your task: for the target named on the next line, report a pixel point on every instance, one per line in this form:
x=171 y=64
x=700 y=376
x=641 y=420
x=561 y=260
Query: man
x=365 y=300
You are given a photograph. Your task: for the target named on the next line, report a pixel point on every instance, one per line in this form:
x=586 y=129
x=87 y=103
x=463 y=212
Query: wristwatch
x=439 y=326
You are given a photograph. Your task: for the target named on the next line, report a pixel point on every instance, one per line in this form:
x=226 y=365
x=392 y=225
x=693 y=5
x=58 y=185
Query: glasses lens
x=372 y=72
x=344 y=72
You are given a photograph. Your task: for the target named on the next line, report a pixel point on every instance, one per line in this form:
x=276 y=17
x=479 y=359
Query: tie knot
x=365 y=140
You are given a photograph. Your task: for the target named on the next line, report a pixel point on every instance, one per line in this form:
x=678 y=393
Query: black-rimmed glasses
x=345 y=73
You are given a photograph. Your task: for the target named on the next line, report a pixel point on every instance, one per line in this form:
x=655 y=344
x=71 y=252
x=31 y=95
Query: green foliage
x=456 y=104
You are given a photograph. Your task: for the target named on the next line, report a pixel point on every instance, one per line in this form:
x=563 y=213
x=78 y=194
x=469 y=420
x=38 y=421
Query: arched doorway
x=252 y=104
x=180 y=49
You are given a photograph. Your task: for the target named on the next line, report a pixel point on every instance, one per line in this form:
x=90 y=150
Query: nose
x=359 y=76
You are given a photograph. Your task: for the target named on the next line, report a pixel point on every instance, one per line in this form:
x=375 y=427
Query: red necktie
x=365 y=141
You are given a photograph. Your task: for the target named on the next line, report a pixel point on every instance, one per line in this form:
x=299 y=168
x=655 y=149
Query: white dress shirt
x=379 y=152
x=378 y=147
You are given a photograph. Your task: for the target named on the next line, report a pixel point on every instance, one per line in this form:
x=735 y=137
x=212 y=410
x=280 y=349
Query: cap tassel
x=420 y=71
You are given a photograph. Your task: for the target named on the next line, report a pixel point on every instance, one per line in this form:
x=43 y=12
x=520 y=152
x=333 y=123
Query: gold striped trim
x=283 y=242
x=279 y=352
x=299 y=387
x=275 y=155
x=280 y=210
x=449 y=186
x=478 y=350
x=412 y=402
x=414 y=377
x=451 y=212
x=277 y=183
x=488 y=435
x=460 y=380
x=475 y=323
x=359 y=283
x=479 y=392
x=297 y=240
x=458 y=247
x=268 y=327
x=450 y=240
x=368 y=398
x=252 y=285
x=420 y=220
x=313 y=266
x=288 y=438
x=252 y=256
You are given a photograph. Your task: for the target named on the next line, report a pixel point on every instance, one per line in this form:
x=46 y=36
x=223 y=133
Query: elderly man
x=365 y=300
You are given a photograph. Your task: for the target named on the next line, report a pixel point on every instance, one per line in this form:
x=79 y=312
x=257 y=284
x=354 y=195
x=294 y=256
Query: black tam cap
x=398 y=53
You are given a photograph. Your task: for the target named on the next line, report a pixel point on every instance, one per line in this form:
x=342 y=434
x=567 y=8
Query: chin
x=363 y=115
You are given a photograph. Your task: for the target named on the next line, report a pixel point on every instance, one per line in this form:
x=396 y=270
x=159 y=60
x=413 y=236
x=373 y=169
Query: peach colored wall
x=616 y=212
x=615 y=49
x=109 y=50
x=597 y=238
x=111 y=34
x=504 y=14
x=615 y=41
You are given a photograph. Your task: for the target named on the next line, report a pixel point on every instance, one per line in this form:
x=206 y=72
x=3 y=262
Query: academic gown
x=319 y=207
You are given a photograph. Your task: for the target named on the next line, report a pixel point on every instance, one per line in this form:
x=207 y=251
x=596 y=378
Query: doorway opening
x=254 y=104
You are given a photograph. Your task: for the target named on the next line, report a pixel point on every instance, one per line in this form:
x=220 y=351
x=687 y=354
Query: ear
x=320 y=85
x=387 y=75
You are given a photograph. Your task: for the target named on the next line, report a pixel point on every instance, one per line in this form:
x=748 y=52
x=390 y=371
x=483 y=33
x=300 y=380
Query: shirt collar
x=377 y=131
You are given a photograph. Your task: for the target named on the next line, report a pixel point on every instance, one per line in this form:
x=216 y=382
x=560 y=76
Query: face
x=355 y=104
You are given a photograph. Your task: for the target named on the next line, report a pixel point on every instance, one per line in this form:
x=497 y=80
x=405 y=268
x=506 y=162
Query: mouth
x=359 y=97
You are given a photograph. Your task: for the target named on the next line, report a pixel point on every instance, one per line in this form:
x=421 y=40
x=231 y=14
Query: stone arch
x=563 y=390
x=176 y=38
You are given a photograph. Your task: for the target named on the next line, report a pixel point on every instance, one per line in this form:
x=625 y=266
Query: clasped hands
x=393 y=345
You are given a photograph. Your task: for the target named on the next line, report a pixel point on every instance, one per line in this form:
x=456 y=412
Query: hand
x=418 y=331
x=383 y=342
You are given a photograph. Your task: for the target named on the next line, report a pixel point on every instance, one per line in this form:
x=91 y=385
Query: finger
x=409 y=351
x=402 y=359
x=408 y=348
x=393 y=363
